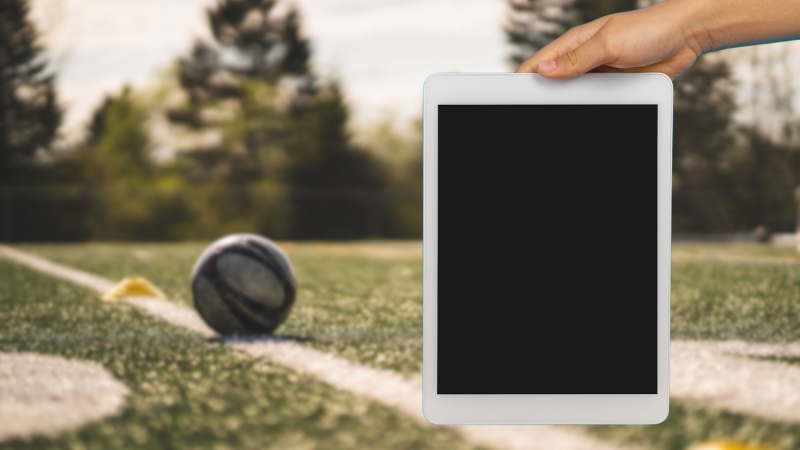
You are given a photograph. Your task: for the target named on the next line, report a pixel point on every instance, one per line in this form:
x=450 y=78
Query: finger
x=591 y=54
x=568 y=42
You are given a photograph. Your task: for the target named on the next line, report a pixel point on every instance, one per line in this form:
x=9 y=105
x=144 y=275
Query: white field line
x=719 y=375
x=382 y=386
x=714 y=374
x=168 y=311
x=394 y=390
x=46 y=394
x=78 y=277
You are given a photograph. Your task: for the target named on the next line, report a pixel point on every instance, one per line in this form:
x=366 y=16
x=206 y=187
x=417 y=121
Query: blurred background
x=189 y=119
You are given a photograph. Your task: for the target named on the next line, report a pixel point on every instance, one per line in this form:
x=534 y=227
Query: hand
x=661 y=38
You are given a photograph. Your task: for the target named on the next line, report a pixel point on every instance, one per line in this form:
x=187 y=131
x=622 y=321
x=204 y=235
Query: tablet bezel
x=522 y=89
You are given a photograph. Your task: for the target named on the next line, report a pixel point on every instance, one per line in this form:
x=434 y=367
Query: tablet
x=546 y=249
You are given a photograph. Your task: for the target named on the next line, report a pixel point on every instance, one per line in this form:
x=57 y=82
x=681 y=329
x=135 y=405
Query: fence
x=187 y=213
x=56 y=214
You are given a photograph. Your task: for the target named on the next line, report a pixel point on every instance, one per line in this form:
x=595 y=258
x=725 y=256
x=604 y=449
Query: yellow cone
x=727 y=445
x=133 y=287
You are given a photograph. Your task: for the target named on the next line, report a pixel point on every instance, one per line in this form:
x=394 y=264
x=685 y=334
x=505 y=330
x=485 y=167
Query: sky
x=381 y=50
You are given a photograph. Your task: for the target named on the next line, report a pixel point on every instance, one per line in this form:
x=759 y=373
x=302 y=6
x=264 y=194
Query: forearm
x=666 y=37
x=718 y=24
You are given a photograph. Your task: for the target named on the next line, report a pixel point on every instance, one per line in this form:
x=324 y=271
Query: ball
x=243 y=284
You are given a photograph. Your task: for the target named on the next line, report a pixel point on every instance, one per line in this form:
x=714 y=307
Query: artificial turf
x=736 y=291
x=359 y=304
x=186 y=392
x=688 y=425
x=368 y=308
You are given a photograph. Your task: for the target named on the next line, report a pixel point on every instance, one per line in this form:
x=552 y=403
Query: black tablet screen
x=547 y=249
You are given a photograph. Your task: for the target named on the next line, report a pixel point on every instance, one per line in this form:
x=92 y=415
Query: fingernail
x=546 y=66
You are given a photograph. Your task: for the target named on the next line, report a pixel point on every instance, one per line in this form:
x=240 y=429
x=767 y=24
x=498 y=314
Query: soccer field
x=361 y=302
x=187 y=392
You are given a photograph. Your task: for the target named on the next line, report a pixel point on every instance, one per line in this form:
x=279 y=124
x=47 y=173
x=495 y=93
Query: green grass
x=187 y=392
x=749 y=292
x=368 y=308
x=357 y=304
x=743 y=251
x=687 y=425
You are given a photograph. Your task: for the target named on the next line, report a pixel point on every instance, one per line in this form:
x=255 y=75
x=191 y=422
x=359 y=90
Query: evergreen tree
x=338 y=188
x=767 y=161
x=702 y=140
x=123 y=143
x=29 y=116
x=130 y=196
x=268 y=47
x=252 y=46
x=276 y=127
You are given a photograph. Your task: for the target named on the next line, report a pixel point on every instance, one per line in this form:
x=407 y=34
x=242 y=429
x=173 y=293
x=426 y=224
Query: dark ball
x=243 y=284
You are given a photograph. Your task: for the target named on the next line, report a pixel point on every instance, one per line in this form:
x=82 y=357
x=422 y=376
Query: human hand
x=666 y=37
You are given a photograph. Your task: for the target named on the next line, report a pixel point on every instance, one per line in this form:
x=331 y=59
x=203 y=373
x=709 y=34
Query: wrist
x=699 y=22
x=711 y=25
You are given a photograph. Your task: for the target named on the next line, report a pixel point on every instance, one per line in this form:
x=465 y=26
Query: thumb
x=591 y=54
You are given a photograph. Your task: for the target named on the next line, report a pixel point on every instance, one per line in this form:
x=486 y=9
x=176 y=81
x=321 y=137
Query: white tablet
x=546 y=249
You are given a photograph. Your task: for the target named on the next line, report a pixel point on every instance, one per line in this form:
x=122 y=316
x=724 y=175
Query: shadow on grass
x=251 y=338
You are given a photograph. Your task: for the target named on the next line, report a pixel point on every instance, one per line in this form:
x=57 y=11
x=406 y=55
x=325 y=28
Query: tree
x=252 y=46
x=232 y=86
x=269 y=47
x=29 y=119
x=532 y=24
x=766 y=161
x=703 y=138
x=338 y=187
x=29 y=116
x=129 y=196
x=276 y=127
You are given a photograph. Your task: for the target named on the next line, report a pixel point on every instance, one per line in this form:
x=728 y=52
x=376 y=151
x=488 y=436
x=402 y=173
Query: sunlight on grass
x=364 y=304
x=363 y=301
x=187 y=392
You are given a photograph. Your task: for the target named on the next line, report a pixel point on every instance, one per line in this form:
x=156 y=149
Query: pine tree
x=277 y=126
x=29 y=116
x=702 y=123
x=338 y=187
x=253 y=50
x=269 y=47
